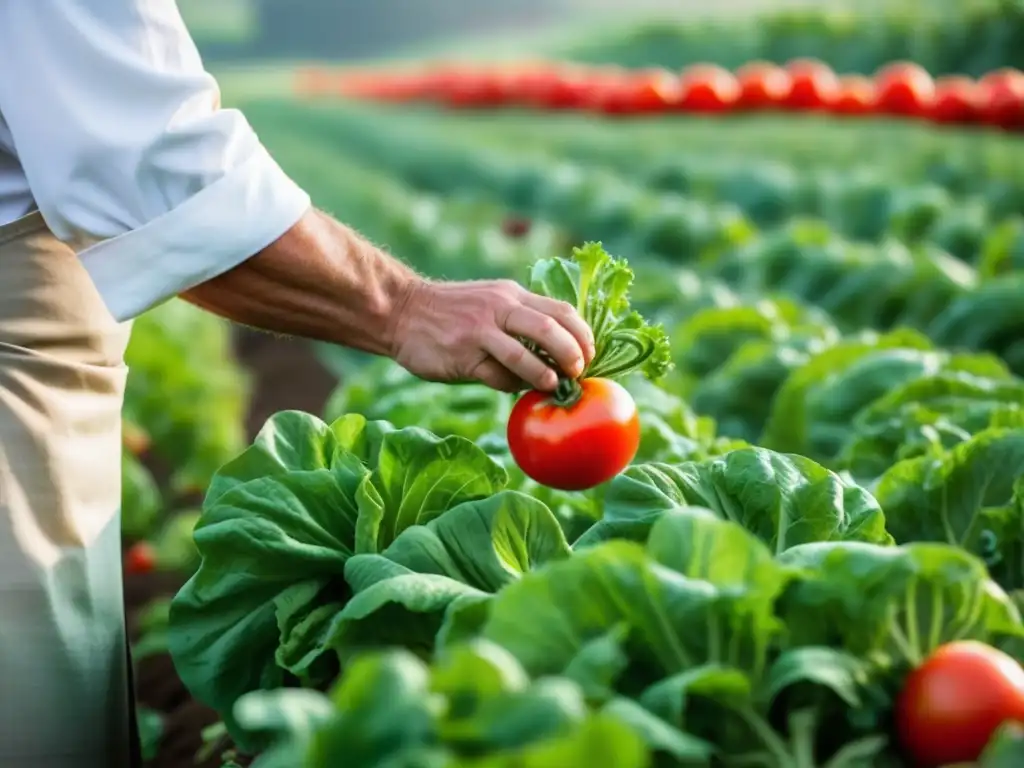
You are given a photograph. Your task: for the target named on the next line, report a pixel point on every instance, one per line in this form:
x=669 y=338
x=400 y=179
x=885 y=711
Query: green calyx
x=567 y=393
x=598 y=286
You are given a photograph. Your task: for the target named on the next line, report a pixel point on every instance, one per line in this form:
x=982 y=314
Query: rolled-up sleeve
x=128 y=153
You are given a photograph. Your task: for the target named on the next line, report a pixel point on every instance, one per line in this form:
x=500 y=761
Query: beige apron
x=64 y=678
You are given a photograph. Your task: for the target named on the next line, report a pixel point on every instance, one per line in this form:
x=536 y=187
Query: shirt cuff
x=213 y=231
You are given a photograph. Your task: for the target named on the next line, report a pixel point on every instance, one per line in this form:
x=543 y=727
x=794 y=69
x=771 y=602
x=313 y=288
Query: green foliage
x=186 y=390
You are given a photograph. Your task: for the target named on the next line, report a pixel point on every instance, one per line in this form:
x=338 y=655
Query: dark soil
x=285 y=375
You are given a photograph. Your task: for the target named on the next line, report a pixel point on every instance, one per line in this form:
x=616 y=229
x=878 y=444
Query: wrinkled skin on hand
x=470 y=331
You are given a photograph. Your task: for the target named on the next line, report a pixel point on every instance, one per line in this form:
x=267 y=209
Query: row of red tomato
x=902 y=89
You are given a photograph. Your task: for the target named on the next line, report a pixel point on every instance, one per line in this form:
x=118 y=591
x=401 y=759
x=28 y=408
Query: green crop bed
x=828 y=485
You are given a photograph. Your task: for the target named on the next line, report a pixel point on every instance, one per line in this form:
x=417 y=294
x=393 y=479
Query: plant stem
x=802 y=729
x=775 y=745
x=567 y=393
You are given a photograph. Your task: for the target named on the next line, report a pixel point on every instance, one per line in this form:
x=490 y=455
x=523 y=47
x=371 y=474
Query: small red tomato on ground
x=953 y=703
x=140 y=558
x=708 y=88
x=814 y=85
x=575 y=446
x=856 y=96
x=763 y=85
x=956 y=100
x=905 y=89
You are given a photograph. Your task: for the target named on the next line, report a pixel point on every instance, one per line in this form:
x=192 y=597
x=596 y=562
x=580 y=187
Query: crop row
x=793 y=164
x=900 y=89
x=678 y=610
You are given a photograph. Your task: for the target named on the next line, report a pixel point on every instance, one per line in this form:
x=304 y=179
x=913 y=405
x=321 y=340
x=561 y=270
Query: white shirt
x=111 y=127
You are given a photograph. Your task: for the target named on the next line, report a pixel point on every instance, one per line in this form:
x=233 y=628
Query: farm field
x=332 y=563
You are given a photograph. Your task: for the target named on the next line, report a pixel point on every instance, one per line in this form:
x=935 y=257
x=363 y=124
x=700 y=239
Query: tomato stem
x=567 y=393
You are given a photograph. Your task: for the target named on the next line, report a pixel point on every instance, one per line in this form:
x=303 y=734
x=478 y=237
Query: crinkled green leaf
x=385 y=390
x=829 y=404
x=789 y=425
x=901 y=601
x=261 y=539
x=700 y=545
x=674 y=623
x=475 y=548
x=927 y=415
x=417 y=477
x=598 y=286
x=783 y=499
x=963 y=497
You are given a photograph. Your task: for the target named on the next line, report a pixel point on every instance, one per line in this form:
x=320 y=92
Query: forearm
x=320 y=280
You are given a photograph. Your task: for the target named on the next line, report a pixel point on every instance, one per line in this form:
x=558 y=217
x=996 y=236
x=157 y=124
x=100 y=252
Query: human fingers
x=547 y=333
x=511 y=353
x=496 y=376
x=567 y=316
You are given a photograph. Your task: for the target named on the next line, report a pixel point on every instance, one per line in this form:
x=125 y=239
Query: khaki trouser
x=64 y=675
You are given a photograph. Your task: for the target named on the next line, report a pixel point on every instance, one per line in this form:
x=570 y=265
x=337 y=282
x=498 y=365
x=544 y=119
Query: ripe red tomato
x=399 y=87
x=652 y=90
x=575 y=447
x=953 y=703
x=814 y=85
x=524 y=82
x=140 y=558
x=1002 y=76
x=476 y=89
x=856 y=96
x=1001 y=98
x=610 y=93
x=708 y=88
x=567 y=88
x=956 y=100
x=904 y=88
x=441 y=80
x=762 y=85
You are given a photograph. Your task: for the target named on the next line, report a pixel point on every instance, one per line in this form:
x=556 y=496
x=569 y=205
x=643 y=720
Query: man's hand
x=469 y=331
x=321 y=280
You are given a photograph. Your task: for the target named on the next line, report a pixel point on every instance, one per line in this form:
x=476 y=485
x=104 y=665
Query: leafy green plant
x=473 y=708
